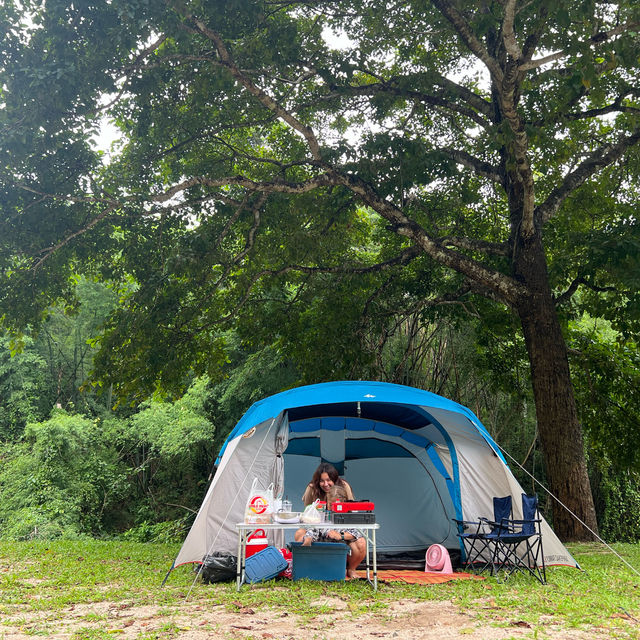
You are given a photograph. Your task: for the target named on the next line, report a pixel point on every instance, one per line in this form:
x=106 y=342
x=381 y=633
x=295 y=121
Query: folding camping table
x=367 y=530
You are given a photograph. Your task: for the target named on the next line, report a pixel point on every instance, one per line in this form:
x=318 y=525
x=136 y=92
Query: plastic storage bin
x=320 y=561
x=264 y=565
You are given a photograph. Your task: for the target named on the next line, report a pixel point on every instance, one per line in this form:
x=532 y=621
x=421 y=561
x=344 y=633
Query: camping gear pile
x=425 y=460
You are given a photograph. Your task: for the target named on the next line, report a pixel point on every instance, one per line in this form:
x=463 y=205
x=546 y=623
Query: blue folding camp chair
x=518 y=543
x=478 y=537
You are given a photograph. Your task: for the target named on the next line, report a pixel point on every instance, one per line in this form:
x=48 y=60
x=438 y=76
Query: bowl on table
x=286 y=517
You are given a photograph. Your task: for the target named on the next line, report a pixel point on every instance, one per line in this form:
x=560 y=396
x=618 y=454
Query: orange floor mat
x=412 y=576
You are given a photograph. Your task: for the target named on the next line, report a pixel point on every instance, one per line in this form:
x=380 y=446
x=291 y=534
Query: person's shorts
x=321 y=535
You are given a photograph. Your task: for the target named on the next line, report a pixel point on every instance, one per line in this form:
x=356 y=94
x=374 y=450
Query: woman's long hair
x=332 y=472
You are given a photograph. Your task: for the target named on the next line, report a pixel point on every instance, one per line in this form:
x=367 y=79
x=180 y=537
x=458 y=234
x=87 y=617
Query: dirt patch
x=406 y=619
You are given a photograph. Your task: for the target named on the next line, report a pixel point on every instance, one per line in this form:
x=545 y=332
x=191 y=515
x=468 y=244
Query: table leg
x=240 y=563
x=366 y=536
x=375 y=561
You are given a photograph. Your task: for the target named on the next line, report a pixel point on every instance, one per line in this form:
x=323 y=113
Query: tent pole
x=168 y=574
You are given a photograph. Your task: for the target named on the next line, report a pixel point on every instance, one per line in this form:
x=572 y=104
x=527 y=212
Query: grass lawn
x=100 y=584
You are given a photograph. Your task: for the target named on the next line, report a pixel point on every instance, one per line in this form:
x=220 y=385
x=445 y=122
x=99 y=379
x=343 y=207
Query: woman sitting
x=324 y=479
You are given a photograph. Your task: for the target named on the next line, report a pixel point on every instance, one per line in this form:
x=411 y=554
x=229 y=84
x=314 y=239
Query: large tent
x=423 y=459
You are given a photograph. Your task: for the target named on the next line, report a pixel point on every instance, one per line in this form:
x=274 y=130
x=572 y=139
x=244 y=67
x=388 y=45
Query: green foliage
x=63 y=480
x=26 y=389
x=250 y=376
x=172 y=531
x=385 y=109
x=606 y=373
x=67 y=341
x=618 y=503
x=74 y=476
x=173 y=429
x=39 y=370
x=167 y=450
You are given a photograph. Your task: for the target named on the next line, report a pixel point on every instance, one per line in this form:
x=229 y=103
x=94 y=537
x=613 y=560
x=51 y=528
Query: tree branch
x=508 y=33
x=181 y=506
x=492 y=248
x=92 y=223
x=599 y=159
x=467 y=35
x=581 y=280
x=601 y=36
x=111 y=205
x=534 y=64
x=272 y=186
x=226 y=60
x=66 y=198
x=403 y=258
x=421 y=97
x=133 y=66
x=473 y=99
x=406 y=256
x=594 y=113
x=505 y=287
x=241 y=206
x=615 y=107
x=532 y=40
x=485 y=169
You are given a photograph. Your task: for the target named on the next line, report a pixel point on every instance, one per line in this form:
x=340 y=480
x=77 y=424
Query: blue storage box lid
x=264 y=565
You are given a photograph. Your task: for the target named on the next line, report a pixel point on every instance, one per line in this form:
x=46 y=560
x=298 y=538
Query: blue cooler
x=320 y=561
x=264 y=565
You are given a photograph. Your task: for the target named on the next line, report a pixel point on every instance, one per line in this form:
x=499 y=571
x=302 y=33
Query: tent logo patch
x=249 y=433
x=258 y=504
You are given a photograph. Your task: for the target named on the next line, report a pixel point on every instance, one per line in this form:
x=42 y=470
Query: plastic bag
x=218 y=567
x=288 y=556
x=259 y=509
x=311 y=515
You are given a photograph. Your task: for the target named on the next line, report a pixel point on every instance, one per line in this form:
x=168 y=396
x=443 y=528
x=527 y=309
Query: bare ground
x=406 y=619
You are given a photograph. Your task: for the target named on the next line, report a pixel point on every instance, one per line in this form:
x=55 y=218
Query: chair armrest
x=464 y=525
x=504 y=526
x=516 y=527
x=512 y=523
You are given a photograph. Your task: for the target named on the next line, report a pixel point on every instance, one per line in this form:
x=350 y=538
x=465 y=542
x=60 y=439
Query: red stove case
x=353 y=512
x=350 y=506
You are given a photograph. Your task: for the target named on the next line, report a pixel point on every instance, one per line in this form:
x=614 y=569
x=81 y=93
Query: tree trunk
x=558 y=426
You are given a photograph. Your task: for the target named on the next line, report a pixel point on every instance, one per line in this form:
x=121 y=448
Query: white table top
x=243 y=526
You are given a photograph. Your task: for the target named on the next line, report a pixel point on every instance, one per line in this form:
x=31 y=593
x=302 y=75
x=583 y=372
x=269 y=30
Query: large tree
x=259 y=147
